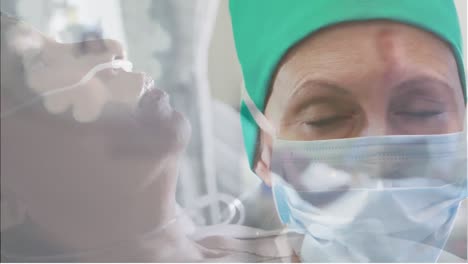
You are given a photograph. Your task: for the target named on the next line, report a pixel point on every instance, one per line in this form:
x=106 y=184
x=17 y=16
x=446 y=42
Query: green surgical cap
x=264 y=30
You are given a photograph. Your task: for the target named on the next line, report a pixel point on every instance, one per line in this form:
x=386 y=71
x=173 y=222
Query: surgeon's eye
x=419 y=114
x=329 y=121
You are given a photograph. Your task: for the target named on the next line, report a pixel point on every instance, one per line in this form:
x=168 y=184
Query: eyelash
x=332 y=120
x=327 y=121
x=421 y=114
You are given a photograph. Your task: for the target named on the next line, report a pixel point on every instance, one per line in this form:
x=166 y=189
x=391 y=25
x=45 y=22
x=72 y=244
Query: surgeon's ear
x=263 y=160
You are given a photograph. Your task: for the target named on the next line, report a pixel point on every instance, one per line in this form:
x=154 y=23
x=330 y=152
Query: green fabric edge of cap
x=250 y=129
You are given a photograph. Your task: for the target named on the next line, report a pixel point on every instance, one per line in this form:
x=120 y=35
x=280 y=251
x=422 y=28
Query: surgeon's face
x=365 y=79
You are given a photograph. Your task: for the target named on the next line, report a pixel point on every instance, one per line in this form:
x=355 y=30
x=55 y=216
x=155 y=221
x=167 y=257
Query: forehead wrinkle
x=388 y=51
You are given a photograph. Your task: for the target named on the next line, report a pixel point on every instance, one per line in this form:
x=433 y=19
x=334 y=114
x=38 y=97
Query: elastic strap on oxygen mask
x=115 y=64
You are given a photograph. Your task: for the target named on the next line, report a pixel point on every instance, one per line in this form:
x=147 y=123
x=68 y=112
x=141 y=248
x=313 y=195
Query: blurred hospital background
x=188 y=48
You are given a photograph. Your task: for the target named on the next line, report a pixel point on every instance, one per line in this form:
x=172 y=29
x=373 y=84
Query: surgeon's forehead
x=383 y=47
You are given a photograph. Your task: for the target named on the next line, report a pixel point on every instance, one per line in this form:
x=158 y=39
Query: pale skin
x=88 y=185
x=388 y=54
x=364 y=79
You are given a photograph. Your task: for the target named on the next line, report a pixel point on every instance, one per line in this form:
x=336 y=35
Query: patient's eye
x=92 y=42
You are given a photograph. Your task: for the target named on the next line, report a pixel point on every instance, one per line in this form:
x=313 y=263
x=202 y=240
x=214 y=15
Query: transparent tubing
x=206 y=201
x=116 y=64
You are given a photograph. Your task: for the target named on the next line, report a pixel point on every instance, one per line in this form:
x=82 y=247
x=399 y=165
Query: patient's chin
x=184 y=130
x=168 y=128
x=174 y=133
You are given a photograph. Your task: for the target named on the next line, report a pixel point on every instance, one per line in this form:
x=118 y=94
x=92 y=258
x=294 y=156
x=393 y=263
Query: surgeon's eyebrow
x=327 y=85
x=424 y=81
x=433 y=88
x=314 y=93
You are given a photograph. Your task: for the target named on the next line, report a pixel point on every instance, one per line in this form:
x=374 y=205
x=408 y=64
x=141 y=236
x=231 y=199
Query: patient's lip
x=149 y=89
x=157 y=95
x=154 y=102
x=153 y=98
x=148 y=83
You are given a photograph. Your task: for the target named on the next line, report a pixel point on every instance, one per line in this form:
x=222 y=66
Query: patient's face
x=46 y=65
x=73 y=152
x=366 y=79
x=34 y=64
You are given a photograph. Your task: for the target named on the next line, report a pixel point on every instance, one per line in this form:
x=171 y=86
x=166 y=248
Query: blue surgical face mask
x=372 y=199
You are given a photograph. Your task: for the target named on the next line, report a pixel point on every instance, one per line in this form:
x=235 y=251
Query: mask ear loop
x=466 y=147
x=116 y=64
x=258 y=116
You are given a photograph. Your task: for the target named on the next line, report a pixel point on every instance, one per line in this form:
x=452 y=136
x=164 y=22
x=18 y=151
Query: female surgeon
x=354 y=114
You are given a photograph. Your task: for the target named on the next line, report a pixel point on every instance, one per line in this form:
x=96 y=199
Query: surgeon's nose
x=376 y=126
